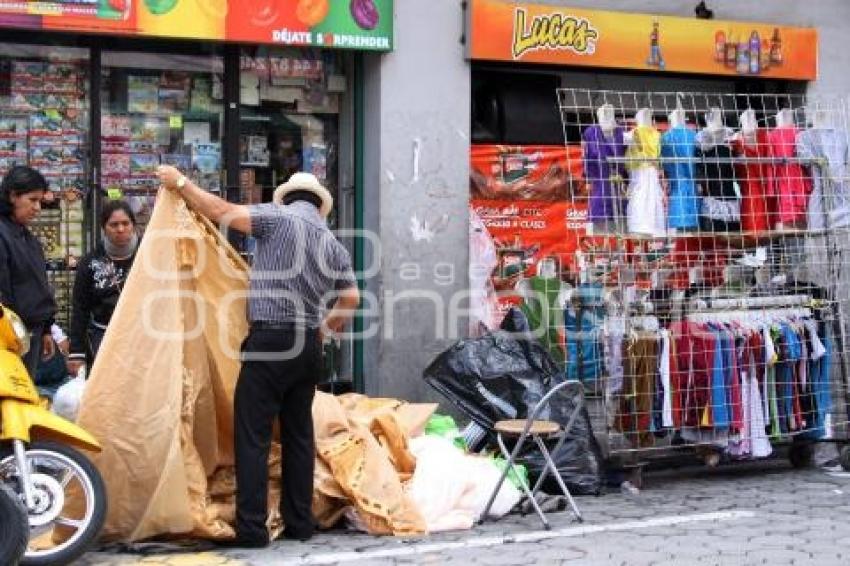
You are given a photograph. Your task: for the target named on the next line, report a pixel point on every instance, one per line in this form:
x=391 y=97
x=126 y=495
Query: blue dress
x=683 y=205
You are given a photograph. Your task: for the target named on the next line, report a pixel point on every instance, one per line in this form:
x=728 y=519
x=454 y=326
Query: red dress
x=758 y=207
x=787 y=181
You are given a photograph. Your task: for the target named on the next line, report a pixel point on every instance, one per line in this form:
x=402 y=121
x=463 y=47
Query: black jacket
x=23 y=276
x=97 y=286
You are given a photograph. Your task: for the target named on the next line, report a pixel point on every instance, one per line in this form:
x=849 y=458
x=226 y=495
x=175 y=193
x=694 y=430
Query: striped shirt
x=297 y=266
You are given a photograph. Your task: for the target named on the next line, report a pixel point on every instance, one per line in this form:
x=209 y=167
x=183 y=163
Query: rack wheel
x=844 y=458
x=801 y=455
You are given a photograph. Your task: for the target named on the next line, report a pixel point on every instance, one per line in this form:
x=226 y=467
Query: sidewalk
x=760 y=513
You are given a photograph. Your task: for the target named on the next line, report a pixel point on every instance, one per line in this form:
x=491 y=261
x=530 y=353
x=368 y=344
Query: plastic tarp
x=502 y=375
x=160 y=400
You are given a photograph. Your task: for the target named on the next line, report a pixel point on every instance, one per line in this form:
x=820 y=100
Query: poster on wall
x=354 y=24
x=559 y=35
x=526 y=205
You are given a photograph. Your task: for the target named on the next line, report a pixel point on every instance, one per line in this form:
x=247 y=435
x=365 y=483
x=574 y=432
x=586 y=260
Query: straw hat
x=305 y=182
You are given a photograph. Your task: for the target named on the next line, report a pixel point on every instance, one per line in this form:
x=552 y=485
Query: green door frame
x=359 y=259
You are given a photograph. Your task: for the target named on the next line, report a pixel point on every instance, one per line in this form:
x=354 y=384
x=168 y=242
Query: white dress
x=645 y=210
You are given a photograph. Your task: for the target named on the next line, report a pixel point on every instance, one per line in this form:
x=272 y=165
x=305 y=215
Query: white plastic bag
x=66 y=402
x=451 y=488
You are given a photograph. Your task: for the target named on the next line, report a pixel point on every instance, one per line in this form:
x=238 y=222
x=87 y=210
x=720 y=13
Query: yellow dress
x=645 y=209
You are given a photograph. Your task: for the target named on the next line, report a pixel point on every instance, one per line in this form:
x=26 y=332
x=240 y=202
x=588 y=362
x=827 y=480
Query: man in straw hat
x=299 y=267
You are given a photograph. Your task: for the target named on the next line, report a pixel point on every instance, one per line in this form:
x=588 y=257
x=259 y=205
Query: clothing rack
x=706 y=253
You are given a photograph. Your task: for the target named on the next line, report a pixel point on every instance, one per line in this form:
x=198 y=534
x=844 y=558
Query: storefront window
x=290 y=107
x=160 y=109
x=44 y=114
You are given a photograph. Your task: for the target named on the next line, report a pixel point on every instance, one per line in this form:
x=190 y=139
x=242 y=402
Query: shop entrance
x=97 y=115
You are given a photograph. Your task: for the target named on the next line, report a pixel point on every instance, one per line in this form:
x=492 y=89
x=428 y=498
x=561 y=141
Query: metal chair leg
x=530 y=494
x=550 y=464
x=545 y=473
x=509 y=458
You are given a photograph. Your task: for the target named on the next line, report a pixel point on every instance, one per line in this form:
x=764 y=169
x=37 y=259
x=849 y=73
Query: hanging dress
x=789 y=183
x=679 y=143
x=758 y=208
x=605 y=201
x=645 y=209
x=720 y=205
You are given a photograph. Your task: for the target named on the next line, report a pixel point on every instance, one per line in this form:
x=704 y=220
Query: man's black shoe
x=295 y=535
x=243 y=543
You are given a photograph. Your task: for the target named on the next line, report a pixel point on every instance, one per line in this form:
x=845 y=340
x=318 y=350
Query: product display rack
x=44 y=112
x=711 y=219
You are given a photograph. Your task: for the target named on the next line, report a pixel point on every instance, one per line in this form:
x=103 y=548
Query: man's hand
x=168 y=176
x=74 y=366
x=48 y=348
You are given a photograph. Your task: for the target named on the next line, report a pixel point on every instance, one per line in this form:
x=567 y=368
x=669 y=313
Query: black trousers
x=271 y=387
x=34 y=355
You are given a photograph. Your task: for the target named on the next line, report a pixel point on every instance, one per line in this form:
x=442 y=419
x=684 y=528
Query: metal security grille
x=710 y=306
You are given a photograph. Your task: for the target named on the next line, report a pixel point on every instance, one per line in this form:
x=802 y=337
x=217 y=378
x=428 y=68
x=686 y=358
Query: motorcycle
x=61 y=490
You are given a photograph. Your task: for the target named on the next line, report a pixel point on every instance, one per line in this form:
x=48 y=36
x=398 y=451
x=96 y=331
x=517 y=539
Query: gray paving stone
x=777 y=555
x=798 y=520
x=779 y=541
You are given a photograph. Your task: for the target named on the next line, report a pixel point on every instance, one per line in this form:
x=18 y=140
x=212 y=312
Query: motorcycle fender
x=26 y=422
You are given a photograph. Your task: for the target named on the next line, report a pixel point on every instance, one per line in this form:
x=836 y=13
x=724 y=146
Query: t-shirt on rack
x=738 y=381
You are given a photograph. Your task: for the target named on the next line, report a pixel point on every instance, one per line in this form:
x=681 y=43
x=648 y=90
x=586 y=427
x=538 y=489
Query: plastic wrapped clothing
x=789 y=182
x=716 y=175
x=542 y=308
x=683 y=204
x=160 y=400
x=758 y=205
x=583 y=322
x=502 y=376
x=598 y=147
x=645 y=209
x=483 y=260
x=831 y=194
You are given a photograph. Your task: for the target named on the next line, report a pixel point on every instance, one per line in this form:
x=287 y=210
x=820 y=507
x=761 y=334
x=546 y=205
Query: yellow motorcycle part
x=22 y=421
x=15 y=381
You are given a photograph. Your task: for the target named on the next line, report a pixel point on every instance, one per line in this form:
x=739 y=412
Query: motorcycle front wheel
x=69 y=502
x=14 y=528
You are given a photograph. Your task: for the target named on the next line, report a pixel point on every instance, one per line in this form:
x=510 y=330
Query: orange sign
x=556 y=35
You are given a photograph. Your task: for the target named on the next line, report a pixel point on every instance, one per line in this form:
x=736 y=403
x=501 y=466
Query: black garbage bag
x=502 y=375
x=579 y=459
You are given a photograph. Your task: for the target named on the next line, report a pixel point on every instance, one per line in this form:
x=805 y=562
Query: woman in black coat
x=23 y=269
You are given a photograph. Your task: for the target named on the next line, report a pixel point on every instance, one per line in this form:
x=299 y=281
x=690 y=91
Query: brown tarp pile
x=160 y=401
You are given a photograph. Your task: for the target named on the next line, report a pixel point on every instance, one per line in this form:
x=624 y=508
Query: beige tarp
x=160 y=401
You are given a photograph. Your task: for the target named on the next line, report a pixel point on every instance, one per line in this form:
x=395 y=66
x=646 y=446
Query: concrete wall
x=417 y=143
x=417 y=135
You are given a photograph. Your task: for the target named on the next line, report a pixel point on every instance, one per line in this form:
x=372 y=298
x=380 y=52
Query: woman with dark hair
x=99 y=281
x=23 y=269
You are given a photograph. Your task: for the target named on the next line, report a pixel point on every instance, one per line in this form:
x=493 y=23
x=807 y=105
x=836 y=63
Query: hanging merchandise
x=683 y=203
x=706 y=329
x=543 y=299
x=758 y=205
x=829 y=202
x=645 y=209
x=601 y=141
x=721 y=207
x=788 y=181
x=583 y=325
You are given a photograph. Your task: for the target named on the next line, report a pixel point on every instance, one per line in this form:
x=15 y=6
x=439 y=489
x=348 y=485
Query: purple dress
x=597 y=170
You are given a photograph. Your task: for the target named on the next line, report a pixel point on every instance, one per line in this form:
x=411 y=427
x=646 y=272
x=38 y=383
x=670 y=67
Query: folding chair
x=538 y=431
